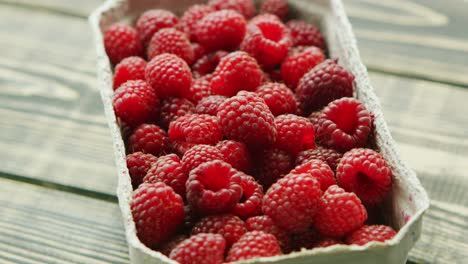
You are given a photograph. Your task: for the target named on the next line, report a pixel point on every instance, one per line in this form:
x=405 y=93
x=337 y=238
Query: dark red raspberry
x=297 y=64
x=306 y=239
x=330 y=156
x=200 y=249
x=366 y=173
x=314 y=117
x=173 y=108
x=344 y=124
x=214 y=187
x=152 y=21
x=338 y=213
x=229 y=226
x=221 y=30
x=279 y=98
x=265 y=224
x=292 y=202
x=135 y=102
x=180 y=148
x=171 y=244
x=369 y=233
x=319 y=170
x=138 y=164
x=169 y=75
x=245 y=117
x=195 y=128
x=209 y=105
x=244 y=7
x=304 y=34
x=251 y=201
x=236 y=154
x=170 y=40
x=168 y=169
x=190 y=18
x=272 y=164
x=254 y=244
x=294 y=133
x=207 y=64
x=198 y=51
x=149 y=138
x=199 y=154
x=157 y=212
x=276 y=7
x=199 y=89
x=130 y=68
x=235 y=72
x=327 y=242
x=121 y=41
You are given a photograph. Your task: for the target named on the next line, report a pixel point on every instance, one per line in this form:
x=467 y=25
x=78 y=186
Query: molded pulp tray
x=408 y=199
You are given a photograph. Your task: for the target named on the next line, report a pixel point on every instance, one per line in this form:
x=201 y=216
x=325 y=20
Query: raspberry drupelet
x=170 y=40
x=168 y=169
x=254 y=244
x=196 y=129
x=152 y=21
x=251 y=201
x=319 y=170
x=121 y=41
x=229 y=226
x=130 y=68
x=149 y=138
x=200 y=249
x=138 y=164
x=279 y=98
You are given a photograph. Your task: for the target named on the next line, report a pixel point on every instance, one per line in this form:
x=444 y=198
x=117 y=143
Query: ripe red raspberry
x=244 y=7
x=200 y=249
x=199 y=89
x=251 y=201
x=195 y=128
x=314 y=117
x=169 y=75
x=297 y=64
x=171 y=244
x=319 y=170
x=265 y=224
x=170 y=40
x=121 y=41
x=207 y=64
x=152 y=21
x=190 y=18
x=366 y=173
x=245 y=117
x=173 y=108
x=179 y=147
x=214 y=187
x=209 y=105
x=135 y=102
x=330 y=156
x=276 y=7
x=199 y=154
x=294 y=133
x=235 y=72
x=326 y=82
x=338 y=213
x=254 y=244
x=327 y=242
x=268 y=41
x=236 y=154
x=292 y=202
x=157 y=212
x=369 y=233
x=138 y=164
x=304 y=34
x=272 y=164
x=229 y=226
x=279 y=98
x=149 y=138
x=198 y=51
x=168 y=169
x=221 y=30
x=344 y=124
x=130 y=68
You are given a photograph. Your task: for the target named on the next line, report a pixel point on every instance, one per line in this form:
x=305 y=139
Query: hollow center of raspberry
x=308 y=140
x=345 y=119
x=271 y=32
x=364 y=182
x=215 y=180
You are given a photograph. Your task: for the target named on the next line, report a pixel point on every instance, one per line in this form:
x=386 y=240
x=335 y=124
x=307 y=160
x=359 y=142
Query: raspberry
x=173 y=108
x=366 y=173
x=254 y=244
x=319 y=170
x=135 y=102
x=198 y=129
x=292 y=201
x=369 y=233
x=251 y=201
x=279 y=98
x=152 y=21
x=297 y=64
x=198 y=51
x=326 y=82
x=265 y=18
x=344 y=124
x=265 y=224
x=314 y=117
x=236 y=154
x=272 y=164
x=168 y=169
x=327 y=242
x=170 y=40
x=214 y=187
x=330 y=156
x=138 y=164
x=207 y=64
x=149 y=138
x=157 y=212
x=276 y=7
x=200 y=249
x=130 y=68
x=169 y=75
x=199 y=89
x=304 y=34
x=191 y=16
x=221 y=30
x=294 y=133
x=121 y=41
x=245 y=117
x=209 y=105
x=339 y=213
x=229 y=226
x=244 y=7
x=235 y=72
x=171 y=244
x=268 y=41
x=199 y=154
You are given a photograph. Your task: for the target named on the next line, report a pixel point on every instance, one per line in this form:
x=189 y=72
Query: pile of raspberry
x=243 y=138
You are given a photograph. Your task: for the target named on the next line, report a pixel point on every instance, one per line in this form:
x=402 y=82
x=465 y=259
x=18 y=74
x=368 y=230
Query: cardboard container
x=408 y=199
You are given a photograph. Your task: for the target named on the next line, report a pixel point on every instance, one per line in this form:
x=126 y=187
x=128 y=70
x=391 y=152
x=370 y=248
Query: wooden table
x=57 y=176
